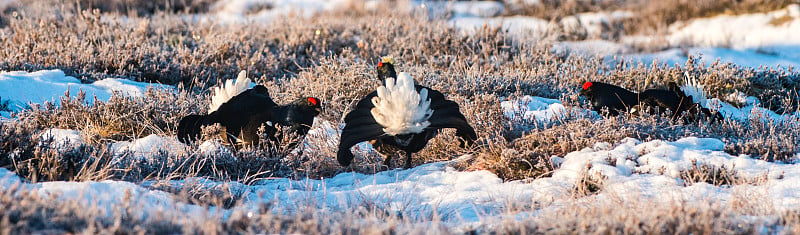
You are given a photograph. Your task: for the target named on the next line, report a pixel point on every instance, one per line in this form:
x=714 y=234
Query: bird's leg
x=408 y=160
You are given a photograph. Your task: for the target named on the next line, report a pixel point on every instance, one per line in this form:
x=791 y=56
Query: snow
x=750 y=110
x=516 y=25
x=593 y=24
x=22 y=88
x=415 y=193
x=534 y=108
x=238 y=11
x=106 y=196
x=62 y=139
x=631 y=170
x=150 y=147
x=746 y=31
x=635 y=169
x=477 y=8
x=742 y=57
x=5 y=3
x=750 y=40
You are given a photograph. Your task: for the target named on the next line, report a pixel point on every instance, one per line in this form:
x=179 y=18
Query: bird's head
x=310 y=105
x=385 y=68
x=587 y=89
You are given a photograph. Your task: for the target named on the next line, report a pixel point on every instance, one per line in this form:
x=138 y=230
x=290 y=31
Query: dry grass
x=717 y=176
x=294 y=60
x=642 y=217
x=331 y=56
x=28 y=212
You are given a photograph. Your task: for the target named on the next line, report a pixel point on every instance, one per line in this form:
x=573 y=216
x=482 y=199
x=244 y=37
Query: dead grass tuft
x=716 y=176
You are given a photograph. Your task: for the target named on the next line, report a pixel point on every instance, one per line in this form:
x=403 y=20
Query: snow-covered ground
x=236 y=11
x=752 y=40
x=22 y=88
x=631 y=170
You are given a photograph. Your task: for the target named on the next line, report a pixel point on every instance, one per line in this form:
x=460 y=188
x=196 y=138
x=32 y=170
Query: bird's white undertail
x=399 y=108
x=229 y=89
x=692 y=87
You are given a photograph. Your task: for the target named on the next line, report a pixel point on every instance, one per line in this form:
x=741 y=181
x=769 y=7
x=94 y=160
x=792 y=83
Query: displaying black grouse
x=617 y=99
x=614 y=98
x=402 y=115
x=243 y=111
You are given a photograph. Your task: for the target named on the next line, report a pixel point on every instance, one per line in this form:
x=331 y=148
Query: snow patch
x=516 y=25
x=239 y=11
x=149 y=147
x=62 y=139
x=742 y=57
x=593 y=24
x=477 y=9
x=22 y=88
x=781 y=27
x=631 y=170
x=214 y=148
x=534 y=108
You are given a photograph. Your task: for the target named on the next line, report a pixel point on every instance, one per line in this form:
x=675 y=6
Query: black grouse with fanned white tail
x=241 y=111
x=402 y=115
x=616 y=100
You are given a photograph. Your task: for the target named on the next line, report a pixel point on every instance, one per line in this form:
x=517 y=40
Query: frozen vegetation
x=109 y=132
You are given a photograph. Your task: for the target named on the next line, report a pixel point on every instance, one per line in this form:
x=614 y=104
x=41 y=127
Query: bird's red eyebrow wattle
x=313 y=100
x=380 y=64
x=587 y=85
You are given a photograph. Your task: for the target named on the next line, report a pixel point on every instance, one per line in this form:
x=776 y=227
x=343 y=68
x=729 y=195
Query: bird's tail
x=229 y=89
x=692 y=87
x=190 y=128
x=399 y=108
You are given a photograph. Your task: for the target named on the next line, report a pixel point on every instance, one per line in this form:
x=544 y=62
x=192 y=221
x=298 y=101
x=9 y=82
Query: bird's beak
x=319 y=109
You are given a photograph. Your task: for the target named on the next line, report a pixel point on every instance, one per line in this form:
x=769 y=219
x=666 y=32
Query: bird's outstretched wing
x=360 y=126
x=190 y=128
x=250 y=102
x=447 y=114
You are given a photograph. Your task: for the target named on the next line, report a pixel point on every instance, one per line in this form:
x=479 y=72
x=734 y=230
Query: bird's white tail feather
x=692 y=87
x=399 y=108
x=229 y=89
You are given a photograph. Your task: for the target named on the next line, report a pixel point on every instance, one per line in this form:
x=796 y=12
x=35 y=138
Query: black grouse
x=614 y=98
x=617 y=99
x=401 y=115
x=241 y=112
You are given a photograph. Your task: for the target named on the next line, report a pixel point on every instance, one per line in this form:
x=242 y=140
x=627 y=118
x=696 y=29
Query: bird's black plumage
x=245 y=113
x=361 y=126
x=606 y=96
x=617 y=99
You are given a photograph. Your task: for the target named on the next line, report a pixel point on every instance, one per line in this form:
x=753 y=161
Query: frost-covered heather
x=105 y=159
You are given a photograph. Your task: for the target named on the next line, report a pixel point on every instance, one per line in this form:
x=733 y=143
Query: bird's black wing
x=240 y=110
x=447 y=114
x=360 y=126
x=190 y=128
x=250 y=102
